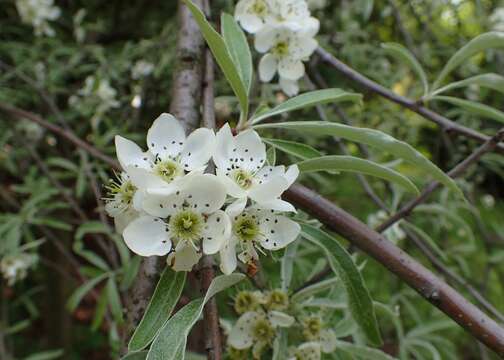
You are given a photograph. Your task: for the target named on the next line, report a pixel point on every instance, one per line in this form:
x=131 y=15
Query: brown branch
x=458 y=170
x=446 y=124
x=398 y=262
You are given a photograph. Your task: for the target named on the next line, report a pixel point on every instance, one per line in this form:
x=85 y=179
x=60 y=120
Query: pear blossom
x=141 y=69
x=120 y=201
x=15 y=267
x=38 y=13
x=252 y=14
x=187 y=222
x=240 y=163
x=314 y=330
x=307 y=351
x=258 y=330
x=497 y=19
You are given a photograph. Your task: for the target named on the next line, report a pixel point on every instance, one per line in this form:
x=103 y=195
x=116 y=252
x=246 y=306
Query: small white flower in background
x=240 y=166
x=37 y=13
x=497 y=19
x=141 y=69
x=394 y=233
x=314 y=331
x=189 y=219
x=488 y=201
x=258 y=330
x=252 y=14
x=15 y=267
x=79 y=30
x=307 y=351
x=316 y=4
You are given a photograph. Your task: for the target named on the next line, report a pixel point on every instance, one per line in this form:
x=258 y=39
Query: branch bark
x=398 y=262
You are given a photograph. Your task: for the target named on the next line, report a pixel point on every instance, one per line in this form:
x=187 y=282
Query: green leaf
x=139 y=355
x=491 y=81
x=100 y=310
x=162 y=303
x=238 y=47
x=474 y=107
x=55 y=224
x=309 y=99
x=82 y=290
x=271 y=156
x=46 y=355
x=357 y=165
x=114 y=300
x=362 y=352
x=288 y=264
x=314 y=289
x=372 y=138
x=174 y=332
x=222 y=56
x=293 y=148
x=91 y=227
x=359 y=299
x=427 y=238
x=404 y=55
x=480 y=43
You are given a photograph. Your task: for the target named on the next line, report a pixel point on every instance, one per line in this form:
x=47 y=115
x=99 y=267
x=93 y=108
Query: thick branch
x=398 y=262
x=446 y=124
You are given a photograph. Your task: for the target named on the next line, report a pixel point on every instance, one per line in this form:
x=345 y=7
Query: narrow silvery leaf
x=430 y=327
x=238 y=47
x=82 y=290
x=271 y=156
x=288 y=265
x=474 y=107
x=490 y=81
x=362 y=352
x=314 y=289
x=170 y=340
x=372 y=138
x=480 y=43
x=114 y=300
x=140 y=355
x=427 y=238
x=307 y=100
x=222 y=55
x=46 y=355
x=161 y=305
x=404 y=55
x=359 y=299
x=293 y=148
x=357 y=165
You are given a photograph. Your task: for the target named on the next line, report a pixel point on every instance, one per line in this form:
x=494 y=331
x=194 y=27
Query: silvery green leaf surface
x=474 y=107
x=299 y=150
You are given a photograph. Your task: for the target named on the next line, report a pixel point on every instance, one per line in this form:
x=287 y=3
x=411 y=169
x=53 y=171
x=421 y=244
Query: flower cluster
x=284 y=32
x=15 y=267
x=164 y=203
x=38 y=13
x=263 y=314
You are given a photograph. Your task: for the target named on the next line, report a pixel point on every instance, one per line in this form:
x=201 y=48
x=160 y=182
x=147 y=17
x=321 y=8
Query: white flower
x=286 y=49
x=188 y=219
x=307 y=351
x=37 y=13
x=394 y=233
x=252 y=14
x=257 y=330
x=289 y=87
x=255 y=228
x=488 y=201
x=314 y=331
x=170 y=157
x=240 y=166
x=120 y=201
x=497 y=19
x=141 y=69
x=15 y=267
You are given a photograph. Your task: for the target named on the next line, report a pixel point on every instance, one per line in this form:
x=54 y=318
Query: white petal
x=311 y=27
x=267 y=67
x=241 y=335
x=184 y=257
x=289 y=87
x=249 y=254
x=269 y=171
x=251 y=23
x=305 y=47
x=122 y=220
x=281 y=319
x=271 y=189
x=291 y=69
x=130 y=154
x=162 y=205
x=328 y=341
x=277 y=205
x=198 y=149
x=236 y=208
x=278 y=231
x=217 y=232
x=250 y=150
x=291 y=174
x=309 y=351
x=144 y=178
x=205 y=193
x=227 y=254
x=224 y=147
x=232 y=188
x=265 y=39
x=147 y=236
x=166 y=136
x=176 y=184
x=138 y=198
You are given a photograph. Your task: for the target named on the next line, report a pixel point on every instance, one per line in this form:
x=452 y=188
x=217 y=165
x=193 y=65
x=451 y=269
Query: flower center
x=263 y=331
x=281 y=49
x=277 y=300
x=242 y=178
x=312 y=327
x=121 y=193
x=259 y=8
x=168 y=170
x=246 y=228
x=245 y=301
x=186 y=226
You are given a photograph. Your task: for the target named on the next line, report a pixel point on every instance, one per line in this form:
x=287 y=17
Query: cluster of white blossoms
x=164 y=203
x=285 y=33
x=38 y=13
x=263 y=314
x=15 y=267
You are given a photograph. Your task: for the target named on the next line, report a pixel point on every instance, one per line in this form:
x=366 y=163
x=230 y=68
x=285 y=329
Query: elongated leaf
x=100 y=310
x=430 y=327
x=357 y=165
x=426 y=238
x=474 y=107
x=222 y=56
x=46 y=355
x=362 y=352
x=158 y=312
x=299 y=150
x=313 y=289
x=140 y=355
x=480 y=43
x=288 y=264
x=170 y=340
x=491 y=81
x=372 y=138
x=271 y=156
x=114 y=300
x=305 y=100
x=238 y=47
x=82 y=290
x=404 y=55
x=359 y=300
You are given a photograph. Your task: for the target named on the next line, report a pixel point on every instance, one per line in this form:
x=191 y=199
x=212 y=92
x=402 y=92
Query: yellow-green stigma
x=237 y=354
x=263 y=331
x=245 y=228
x=281 y=49
x=277 y=300
x=312 y=326
x=245 y=301
x=186 y=226
x=121 y=190
x=259 y=8
x=242 y=178
x=168 y=170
